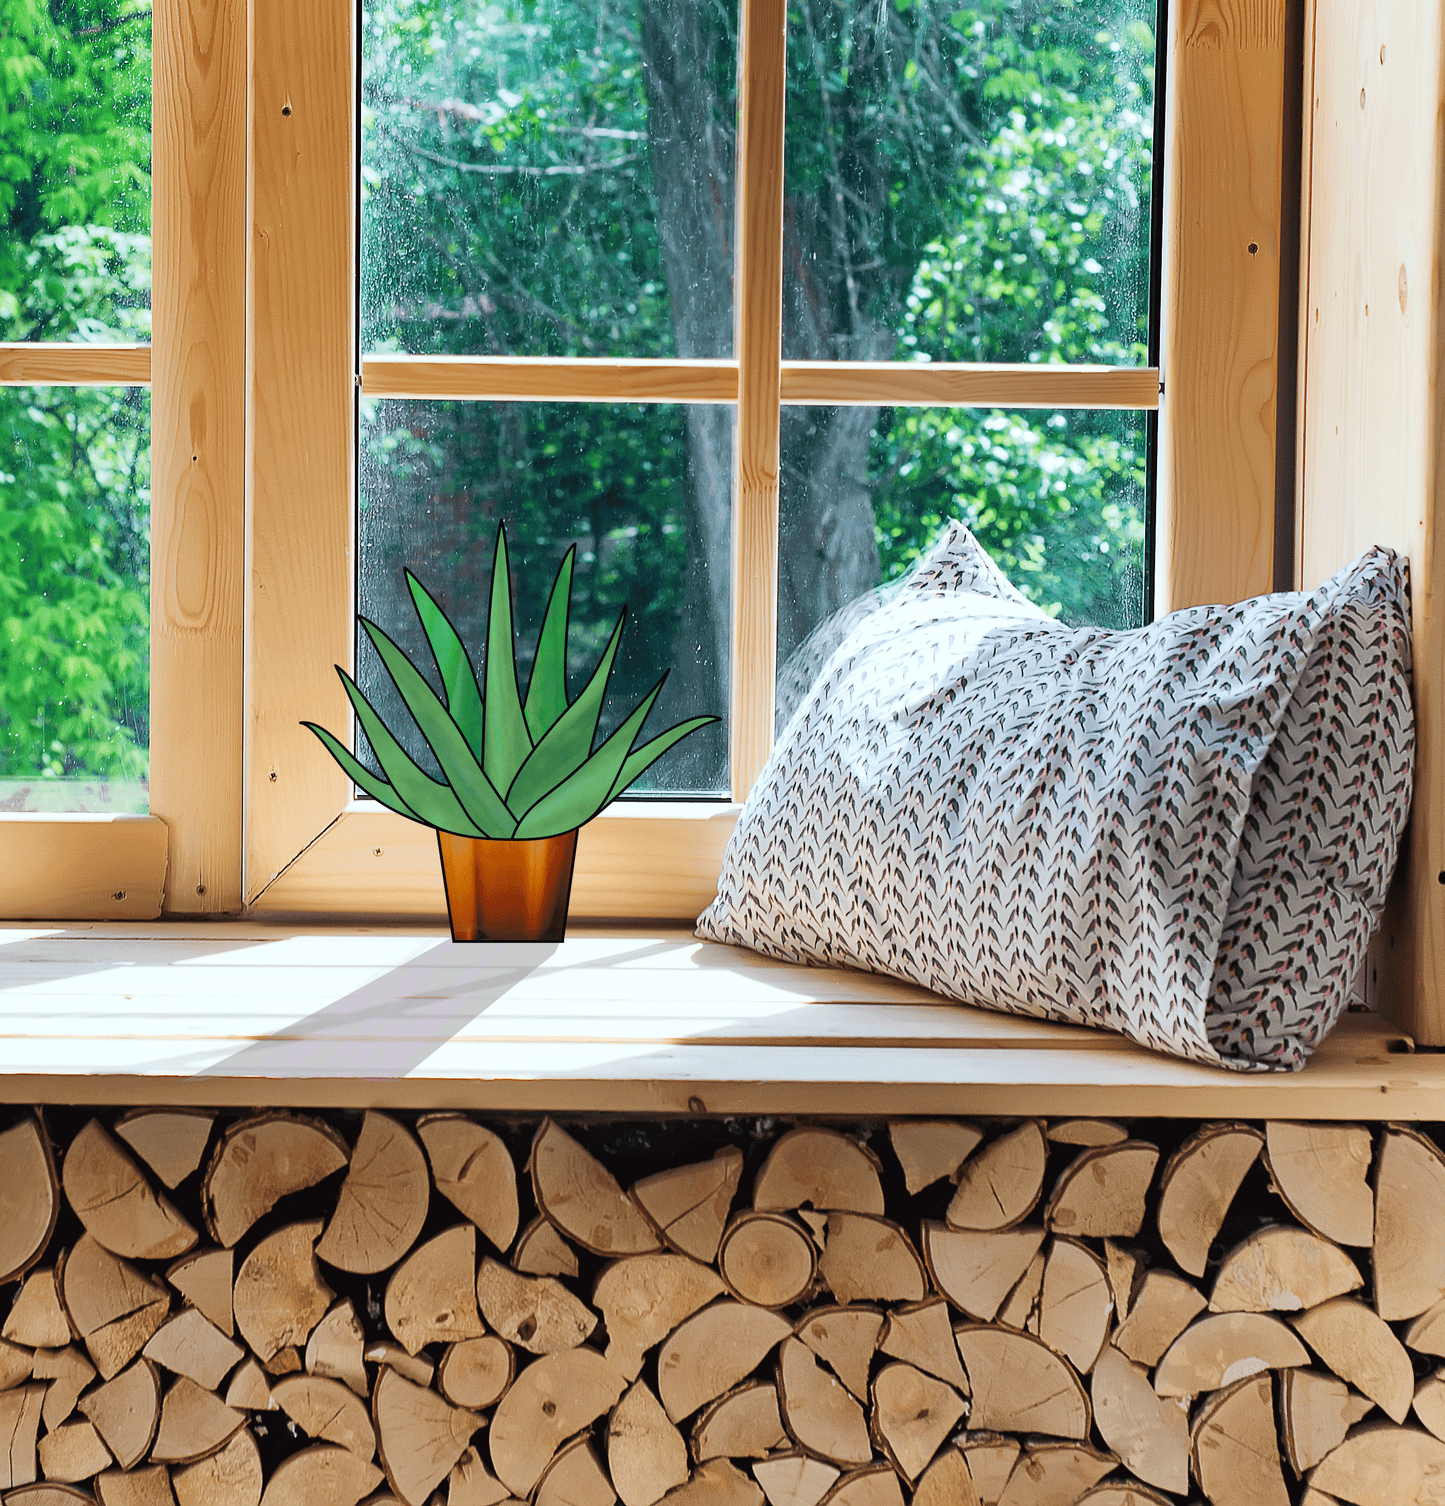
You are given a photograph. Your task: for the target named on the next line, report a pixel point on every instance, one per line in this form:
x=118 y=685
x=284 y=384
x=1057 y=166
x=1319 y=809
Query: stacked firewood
x=215 y=1310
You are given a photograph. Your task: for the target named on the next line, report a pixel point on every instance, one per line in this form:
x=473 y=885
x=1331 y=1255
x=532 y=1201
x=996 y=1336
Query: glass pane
x=74 y=598
x=968 y=184
x=548 y=177
x=643 y=493
x=1057 y=498
x=75 y=170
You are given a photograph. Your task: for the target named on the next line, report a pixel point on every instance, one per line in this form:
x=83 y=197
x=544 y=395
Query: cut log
x=419 y=1436
x=280 y=1296
x=867 y=1259
x=1075 y=1303
x=1020 y=1385
x=1197 y=1187
x=170 y=1141
x=644 y=1297
x=1426 y=1334
x=111 y=1197
x=416 y=1368
x=1021 y=1307
x=1380 y=1464
x=16 y=1364
x=1282 y=1269
x=581 y=1197
x=111 y=1305
x=1150 y=1433
x=383 y=1200
x=744 y=1424
x=1165 y=1307
x=37 y=1319
x=768 y=1259
x=322 y=1475
x=1220 y=1350
x=1100 y=1194
x=126 y=1411
x=474 y=1172
x=205 y=1278
x=19 y=1425
x=471 y=1483
x=1360 y=1348
x=820 y=1168
x=190 y=1344
x=873 y=1485
x=1055 y=1474
x=29 y=1197
x=72 y=1452
x=250 y=1388
x=537 y=1312
x=257 y=1162
x=712 y=1351
x=689 y=1205
x=51 y=1493
x=69 y=1373
x=327 y=1411
x=817 y=1410
x=645 y=1452
x=135 y=1487
x=231 y=1478
x=194 y=1423
x=1235 y=1449
x=1409 y=1255
x=575 y=1477
x=334 y=1350
x=912 y=1415
x=922 y=1335
x=990 y=1458
x=930 y=1149
x=999 y=1185
x=1118 y=1493
x=1429 y=1403
x=553 y=1398
x=286 y=1361
x=844 y=1338
x=948 y=1481
x=977 y=1271
x=1321 y=1172
x=541 y=1251
x=1126 y=1272
x=476 y=1372
x=1316 y=1411
x=1087 y=1132
x=716 y=1483
x=432 y=1295
x=794 y=1479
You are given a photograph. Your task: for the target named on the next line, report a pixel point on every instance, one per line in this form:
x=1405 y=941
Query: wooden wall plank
x=82 y=867
x=25 y=365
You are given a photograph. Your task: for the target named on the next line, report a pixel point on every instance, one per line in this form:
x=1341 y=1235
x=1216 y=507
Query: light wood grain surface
x=100 y=867
x=981 y=384
x=38 y=365
x=537 y=379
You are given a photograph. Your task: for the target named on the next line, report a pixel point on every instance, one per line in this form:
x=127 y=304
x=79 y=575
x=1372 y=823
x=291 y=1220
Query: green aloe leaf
x=547 y=688
x=640 y=760
x=359 y=774
x=459 y=679
x=458 y=764
x=567 y=745
x=506 y=741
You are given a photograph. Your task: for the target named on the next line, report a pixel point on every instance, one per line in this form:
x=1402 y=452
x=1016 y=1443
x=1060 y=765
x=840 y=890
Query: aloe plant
x=513 y=769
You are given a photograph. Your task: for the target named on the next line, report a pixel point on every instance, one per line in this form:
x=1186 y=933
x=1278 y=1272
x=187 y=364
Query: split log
x=51 y=1493
x=1218 y=1351
x=432 y=1295
x=1360 y=1348
x=537 y=1312
x=977 y=1271
x=135 y=1487
x=795 y=1479
x=383 y=1200
x=642 y=1298
x=111 y=1305
x=1020 y=1385
x=415 y=1368
x=744 y=1424
x=844 y=1338
x=1197 y=1187
x=575 y=1477
x=553 y=1398
x=250 y=1388
x=327 y=1411
x=922 y=1335
x=322 y=1475
x=716 y=1483
x=474 y=1172
x=767 y=1259
x=948 y=1481
x=990 y=1458
x=37 y=1319
x=257 y=1162
x=126 y=1411
x=1119 y=1493
x=1429 y=1403
x=912 y=1414
x=419 y=1436
x=471 y=1483
x=930 y=1149
x=69 y=1373
x=712 y=1351
x=1126 y=1272
x=541 y=1251
x=279 y=1295
x=873 y=1485
x=1380 y=1464
x=582 y=1198
x=1021 y=1307
x=1087 y=1132
x=1426 y=1334
x=1149 y=1433
x=820 y=1415
x=16 y=1364
x=1075 y=1303
x=334 y=1350
x=194 y=1423
x=689 y=1205
x=1321 y=1171
x=19 y=1425
x=1235 y=1449
x=231 y=1478
x=645 y=1452
x=1408 y=1253
x=111 y=1197
x=190 y=1344
x=868 y=1259
x=823 y=1168
x=1100 y=1194
x=72 y=1452
x=1282 y=1269
x=1055 y=1474
x=170 y=1141
x=286 y=1361
x=1165 y=1307
x=205 y=1279
x=1000 y=1185
x=29 y=1196
x=1316 y=1411
x=475 y=1373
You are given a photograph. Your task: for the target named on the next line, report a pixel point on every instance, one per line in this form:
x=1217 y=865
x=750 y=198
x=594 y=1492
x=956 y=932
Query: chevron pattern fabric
x=1183 y=833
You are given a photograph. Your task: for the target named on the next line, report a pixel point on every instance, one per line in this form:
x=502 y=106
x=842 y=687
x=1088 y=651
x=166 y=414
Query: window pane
x=643 y=493
x=968 y=184
x=75 y=167
x=1057 y=498
x=74 y=598
x=548 y=177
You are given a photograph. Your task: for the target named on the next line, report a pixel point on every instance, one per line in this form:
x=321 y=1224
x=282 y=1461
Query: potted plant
x=519 y=776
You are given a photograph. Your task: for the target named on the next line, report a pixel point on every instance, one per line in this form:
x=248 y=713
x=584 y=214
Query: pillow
x=1183 y=833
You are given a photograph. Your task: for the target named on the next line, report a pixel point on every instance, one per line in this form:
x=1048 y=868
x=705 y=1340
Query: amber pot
x=507 y=891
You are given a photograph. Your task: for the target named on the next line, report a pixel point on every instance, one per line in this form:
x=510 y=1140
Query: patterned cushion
x=1183 y=833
